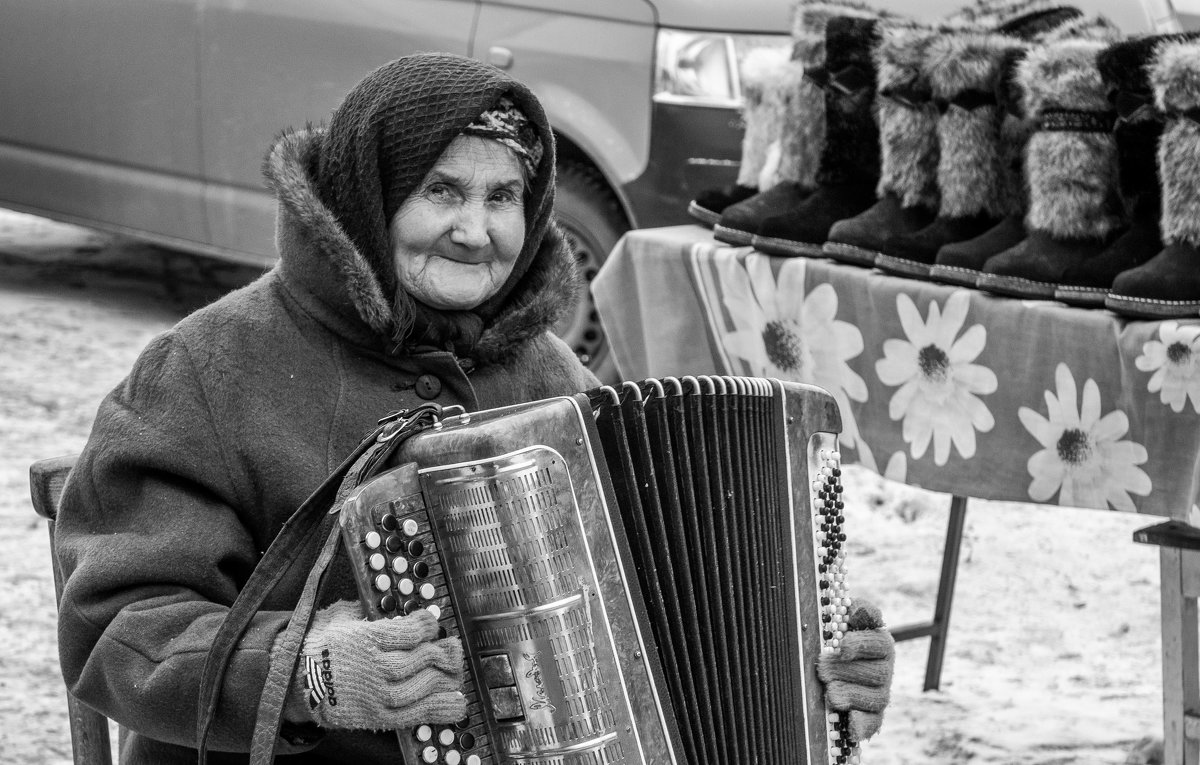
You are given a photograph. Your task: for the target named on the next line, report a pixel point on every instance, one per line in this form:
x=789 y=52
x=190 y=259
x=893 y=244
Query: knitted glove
x=858 y=676
x=381 y=675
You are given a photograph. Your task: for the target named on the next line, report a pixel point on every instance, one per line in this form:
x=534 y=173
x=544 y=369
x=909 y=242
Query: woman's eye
x=438 y=191
x=504 y=196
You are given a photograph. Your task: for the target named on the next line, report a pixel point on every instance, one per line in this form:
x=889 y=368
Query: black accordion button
x=466 y=740
x=394 y=543
x=389 y=522
x=416 y=548
x=420 y=569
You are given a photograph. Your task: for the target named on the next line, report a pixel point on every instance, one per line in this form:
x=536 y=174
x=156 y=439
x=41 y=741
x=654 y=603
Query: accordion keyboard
x=829 y=538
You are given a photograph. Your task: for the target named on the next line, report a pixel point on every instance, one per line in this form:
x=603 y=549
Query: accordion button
x=474 y=760
x=466 y=741
x=410 y=527
x=429 y=754
x=400 y=564
x=446 y=737
x=394 y=543
x=388 y=522
x=416 y=548
x=387 y=603
x=405 y=587
x=377 y=561
x=410 y=606
x=383 y=582
x=423 y=733
x=420 y=569
x=427 y=591
x=435 y=610
x=372 y=540
x=452 y=757
x=428 y=387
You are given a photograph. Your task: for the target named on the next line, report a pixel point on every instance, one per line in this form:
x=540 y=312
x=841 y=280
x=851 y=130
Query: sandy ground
x=1053 y=652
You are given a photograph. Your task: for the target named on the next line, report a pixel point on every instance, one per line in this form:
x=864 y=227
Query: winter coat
x=226 y=423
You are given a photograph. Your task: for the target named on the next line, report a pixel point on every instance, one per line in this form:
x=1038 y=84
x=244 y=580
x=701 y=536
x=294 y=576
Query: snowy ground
x=1054 y=644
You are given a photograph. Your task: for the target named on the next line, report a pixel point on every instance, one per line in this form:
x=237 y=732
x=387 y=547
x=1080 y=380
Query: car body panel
x=576 y=66
x=93 y=134
x=274 y=64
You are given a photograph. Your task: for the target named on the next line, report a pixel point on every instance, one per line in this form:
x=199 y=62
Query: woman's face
x=457 y=236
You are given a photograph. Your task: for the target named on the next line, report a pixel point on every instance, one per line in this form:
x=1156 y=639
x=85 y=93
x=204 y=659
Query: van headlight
x=702 y=68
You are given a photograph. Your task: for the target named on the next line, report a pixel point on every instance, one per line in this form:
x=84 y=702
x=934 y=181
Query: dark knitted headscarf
x=386 y=136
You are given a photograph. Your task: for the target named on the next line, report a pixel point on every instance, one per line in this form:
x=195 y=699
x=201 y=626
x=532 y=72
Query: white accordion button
x=405 y=586
x=474 y=760
x=410 y=528
x=429 y=754
x=446 y=737
x=377 y=561
x=453 y=757
x=400 y=565
x=383 y=582
x=428 y=591
x=424 y=733
x=373 y=540
x=433 y=609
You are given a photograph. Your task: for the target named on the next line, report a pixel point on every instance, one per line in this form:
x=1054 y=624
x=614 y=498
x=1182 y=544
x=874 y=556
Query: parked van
x=151 y=117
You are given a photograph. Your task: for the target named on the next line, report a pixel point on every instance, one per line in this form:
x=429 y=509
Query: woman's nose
x=471 y=227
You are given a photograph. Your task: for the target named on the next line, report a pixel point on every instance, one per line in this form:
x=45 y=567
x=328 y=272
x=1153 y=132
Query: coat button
x=428 y=387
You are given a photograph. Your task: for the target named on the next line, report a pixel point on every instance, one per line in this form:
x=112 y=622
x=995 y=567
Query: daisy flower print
x=1174 y=360
x=939 y=382
x=779 y=331
x=1083 y=458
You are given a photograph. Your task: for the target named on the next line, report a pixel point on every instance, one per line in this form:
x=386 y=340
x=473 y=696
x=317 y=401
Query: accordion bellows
x=642 y=574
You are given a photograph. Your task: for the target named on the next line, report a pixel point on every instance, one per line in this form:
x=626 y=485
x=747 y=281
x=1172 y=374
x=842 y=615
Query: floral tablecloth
x=946 y=388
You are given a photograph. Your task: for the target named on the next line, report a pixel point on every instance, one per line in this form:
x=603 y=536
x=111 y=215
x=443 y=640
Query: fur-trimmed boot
x=763 y=124
x=801 y=103
x=964 y=69
x=961 y=262
x=1168 y=285
x=907 y=118
x=1074 y=208
x=849 y=166
x=1123 y=67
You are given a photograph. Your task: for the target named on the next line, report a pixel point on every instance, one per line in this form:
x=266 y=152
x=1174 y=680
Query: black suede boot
x=1074 y=208
x=849 y=167
x=963 y=69
x=763 y=125
x=907 y=118
x=960 y=262
x=1168 y=285
x=1123 y=67
x=800 y=104
x=708 y=205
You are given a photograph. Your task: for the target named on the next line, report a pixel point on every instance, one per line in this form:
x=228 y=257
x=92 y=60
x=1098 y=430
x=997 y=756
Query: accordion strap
x=313 y=521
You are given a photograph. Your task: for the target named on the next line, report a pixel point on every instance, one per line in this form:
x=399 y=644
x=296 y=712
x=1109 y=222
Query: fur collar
x=316 y=255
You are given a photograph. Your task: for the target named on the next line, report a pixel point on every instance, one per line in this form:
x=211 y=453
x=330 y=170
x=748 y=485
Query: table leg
x=1181 y=679
x=938 y=629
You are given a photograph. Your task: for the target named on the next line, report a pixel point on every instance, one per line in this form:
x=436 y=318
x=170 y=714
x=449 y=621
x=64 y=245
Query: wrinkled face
x=457 y=236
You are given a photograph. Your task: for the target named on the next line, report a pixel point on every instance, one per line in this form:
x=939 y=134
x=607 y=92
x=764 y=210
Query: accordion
x=639 y=574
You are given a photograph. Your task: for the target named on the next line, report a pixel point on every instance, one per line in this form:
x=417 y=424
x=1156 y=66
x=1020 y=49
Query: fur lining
x=907 y=135
x=989 y=14
x=971 y=166
x=802 y=132
x=1175 y=75
x=1072 y=175
x=810 y=19
x=548 y=289
x=286 y=169
x=759 y=74
x=1063 y=76
x=1084 y=28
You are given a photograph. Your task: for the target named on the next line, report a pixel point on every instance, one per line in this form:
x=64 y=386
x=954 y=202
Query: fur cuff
x=1175 y=75
x=966 y=61
x=1123 y=66
x=1083 y=28
x=810 y=19
x=1063 y=76
x=971 y=166
x=1072 y=175
x=803 y=126
x=989 y=14
x=907 y=132
x=760 y=71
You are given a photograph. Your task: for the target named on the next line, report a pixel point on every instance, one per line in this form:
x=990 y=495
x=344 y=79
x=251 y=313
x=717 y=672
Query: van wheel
x=592 y=222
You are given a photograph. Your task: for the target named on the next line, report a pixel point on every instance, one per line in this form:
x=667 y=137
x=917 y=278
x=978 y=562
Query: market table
x=946 y=388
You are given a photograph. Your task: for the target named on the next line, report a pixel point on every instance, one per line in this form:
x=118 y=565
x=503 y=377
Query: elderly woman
x=418 y=262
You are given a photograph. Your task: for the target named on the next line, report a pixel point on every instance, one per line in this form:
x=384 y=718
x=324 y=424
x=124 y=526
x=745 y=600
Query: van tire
x=592 y=222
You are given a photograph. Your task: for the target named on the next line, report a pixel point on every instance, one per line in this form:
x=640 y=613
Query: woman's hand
x=380 y=675
x=858 y=676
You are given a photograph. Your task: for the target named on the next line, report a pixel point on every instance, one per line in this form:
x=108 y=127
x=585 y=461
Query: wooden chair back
x=90 y=741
